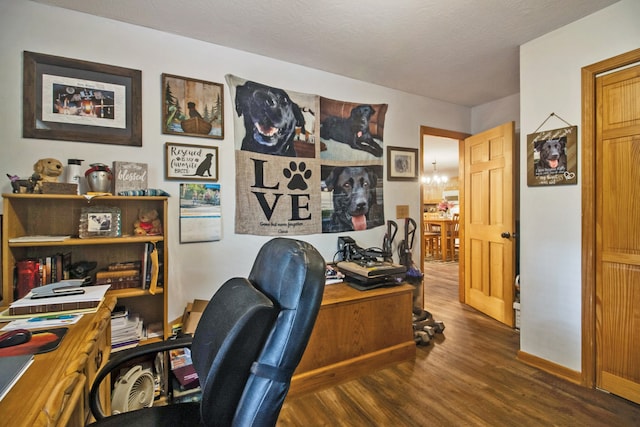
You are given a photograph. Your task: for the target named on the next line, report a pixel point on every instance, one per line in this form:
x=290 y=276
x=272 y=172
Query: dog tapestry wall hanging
x=280 y=172
x=552 y=157
x=192 y=107
x=351 y=131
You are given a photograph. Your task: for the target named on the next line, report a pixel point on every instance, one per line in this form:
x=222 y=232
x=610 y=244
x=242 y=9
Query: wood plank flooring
x=468 y=376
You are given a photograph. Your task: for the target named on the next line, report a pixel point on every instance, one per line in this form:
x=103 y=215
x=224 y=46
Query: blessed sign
x=129 y=176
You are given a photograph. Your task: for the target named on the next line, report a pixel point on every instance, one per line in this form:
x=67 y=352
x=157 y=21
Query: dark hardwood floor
x=468 y=376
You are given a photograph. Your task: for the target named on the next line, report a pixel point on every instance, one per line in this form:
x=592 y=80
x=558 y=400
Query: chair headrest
x=282 y=269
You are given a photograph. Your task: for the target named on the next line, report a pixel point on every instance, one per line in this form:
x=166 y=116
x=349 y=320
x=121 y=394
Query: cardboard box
x=192 y=314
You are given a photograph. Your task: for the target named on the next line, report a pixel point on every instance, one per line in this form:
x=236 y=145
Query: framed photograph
x=100 y=221
x=73 y=100
x=192 y=107
x=200 y=214
x=402 y=164
x=552 y=157
x=191 y=162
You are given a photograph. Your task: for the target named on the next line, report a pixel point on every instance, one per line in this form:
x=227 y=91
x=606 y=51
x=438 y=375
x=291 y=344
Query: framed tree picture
x=192 y=107
x=74 y=100
x=402 y=164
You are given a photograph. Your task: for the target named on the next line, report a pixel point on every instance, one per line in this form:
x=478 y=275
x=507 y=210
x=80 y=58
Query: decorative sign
x=194 y=162
x=129 y=176
x=552 y=157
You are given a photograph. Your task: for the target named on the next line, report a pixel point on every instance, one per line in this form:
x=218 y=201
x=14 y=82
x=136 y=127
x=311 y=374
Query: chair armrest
x=125 y=356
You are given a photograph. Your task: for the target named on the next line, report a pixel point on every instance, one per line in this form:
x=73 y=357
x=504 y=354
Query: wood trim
x=345 y=370
x=589 y=74
x=550 y=367
x=460 y=136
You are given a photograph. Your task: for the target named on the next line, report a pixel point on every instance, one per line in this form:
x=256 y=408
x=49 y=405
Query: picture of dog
x=553 y=158
x=353 y=130
x=353 y=196
x=270 y=119
x=205 y=166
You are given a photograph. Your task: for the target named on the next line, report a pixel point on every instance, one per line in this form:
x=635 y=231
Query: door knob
x=505 y=235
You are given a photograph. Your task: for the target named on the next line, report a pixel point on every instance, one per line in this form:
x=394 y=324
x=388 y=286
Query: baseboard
x=348 y=369
x=550 y=367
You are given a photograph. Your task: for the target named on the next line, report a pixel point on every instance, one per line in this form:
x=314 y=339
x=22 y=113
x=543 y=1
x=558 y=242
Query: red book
x=27 y=277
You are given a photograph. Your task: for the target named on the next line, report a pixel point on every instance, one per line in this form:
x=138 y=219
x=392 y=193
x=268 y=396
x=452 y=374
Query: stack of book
x=185 y=384
x=126 y=330
x=34 y=272
x=121 y=275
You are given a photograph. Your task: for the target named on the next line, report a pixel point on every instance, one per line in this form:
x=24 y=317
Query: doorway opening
x=441 y=173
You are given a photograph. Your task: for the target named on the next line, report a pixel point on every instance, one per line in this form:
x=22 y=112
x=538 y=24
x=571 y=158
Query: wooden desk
x=55 y=388
x=356 y=332
x=446 y=227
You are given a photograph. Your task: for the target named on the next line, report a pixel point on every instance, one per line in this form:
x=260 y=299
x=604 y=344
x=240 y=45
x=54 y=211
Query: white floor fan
x=133 y=390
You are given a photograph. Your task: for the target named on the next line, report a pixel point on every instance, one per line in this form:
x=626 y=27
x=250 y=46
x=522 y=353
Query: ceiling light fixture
x=435 y=179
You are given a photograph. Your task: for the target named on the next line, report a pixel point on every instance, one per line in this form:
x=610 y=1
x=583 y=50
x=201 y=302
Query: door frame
x=589 y=74
x=460 y=136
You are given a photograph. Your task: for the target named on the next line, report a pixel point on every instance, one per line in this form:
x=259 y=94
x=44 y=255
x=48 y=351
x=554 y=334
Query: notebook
x=11 y=369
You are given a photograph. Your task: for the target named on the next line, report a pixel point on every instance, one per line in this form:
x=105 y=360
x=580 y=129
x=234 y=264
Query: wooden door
x=489 y=222
x=618 y=233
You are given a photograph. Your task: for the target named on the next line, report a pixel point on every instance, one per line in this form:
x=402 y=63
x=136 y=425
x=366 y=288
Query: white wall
x=196 y=270
x=550 y=232
x=495 y=113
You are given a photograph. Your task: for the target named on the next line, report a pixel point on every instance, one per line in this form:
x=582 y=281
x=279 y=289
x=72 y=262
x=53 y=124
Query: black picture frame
x=74 y=100
x=402 y=164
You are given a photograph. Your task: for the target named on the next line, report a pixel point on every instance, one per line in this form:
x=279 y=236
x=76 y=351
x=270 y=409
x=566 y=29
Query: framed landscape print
x=73 y=100
x=192 y=107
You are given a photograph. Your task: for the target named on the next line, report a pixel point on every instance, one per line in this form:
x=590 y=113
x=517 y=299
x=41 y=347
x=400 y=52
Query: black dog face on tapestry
x=353 y=197
x=553 y=158
x=270 y=119
x=353 y=130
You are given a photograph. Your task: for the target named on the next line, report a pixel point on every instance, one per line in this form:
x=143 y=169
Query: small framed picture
x=402 y=164
x=192 y=107
x=191 y=162
x=100 y=221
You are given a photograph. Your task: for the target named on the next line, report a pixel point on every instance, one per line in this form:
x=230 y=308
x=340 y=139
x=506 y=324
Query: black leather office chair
x=248 y=342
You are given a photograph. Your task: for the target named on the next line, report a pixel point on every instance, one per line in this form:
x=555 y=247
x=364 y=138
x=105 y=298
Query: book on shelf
x=39 y=238
x=11 y=369
x=126 y=265
x=34 y=272
x=117 y=274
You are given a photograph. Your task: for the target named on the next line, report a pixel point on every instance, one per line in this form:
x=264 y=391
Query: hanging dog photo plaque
x=551 y=157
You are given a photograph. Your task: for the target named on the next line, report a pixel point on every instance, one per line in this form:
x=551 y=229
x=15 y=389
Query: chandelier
x=435 y=179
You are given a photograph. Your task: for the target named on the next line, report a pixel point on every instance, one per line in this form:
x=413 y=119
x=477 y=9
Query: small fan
x=133 y=390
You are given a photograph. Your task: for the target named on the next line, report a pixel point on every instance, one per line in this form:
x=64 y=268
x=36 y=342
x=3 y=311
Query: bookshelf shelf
x=59 y=215
x=91 y=241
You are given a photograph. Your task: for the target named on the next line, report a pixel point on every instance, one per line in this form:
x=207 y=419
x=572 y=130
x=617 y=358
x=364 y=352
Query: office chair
x=247 y=344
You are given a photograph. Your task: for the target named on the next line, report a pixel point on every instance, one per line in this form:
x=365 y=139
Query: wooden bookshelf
x=58 y=215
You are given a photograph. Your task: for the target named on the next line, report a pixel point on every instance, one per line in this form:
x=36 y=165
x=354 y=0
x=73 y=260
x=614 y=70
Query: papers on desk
x=50 y=321
x=87 y=302
x=11 y=369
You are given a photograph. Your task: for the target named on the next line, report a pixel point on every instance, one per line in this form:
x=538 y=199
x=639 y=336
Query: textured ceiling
x=461 y=51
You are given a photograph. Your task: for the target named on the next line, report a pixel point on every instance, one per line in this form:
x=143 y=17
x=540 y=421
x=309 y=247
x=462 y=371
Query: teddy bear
x=147 y=223
x=46 y=170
